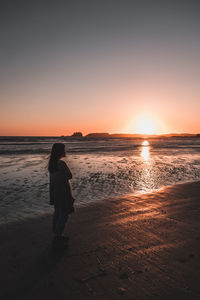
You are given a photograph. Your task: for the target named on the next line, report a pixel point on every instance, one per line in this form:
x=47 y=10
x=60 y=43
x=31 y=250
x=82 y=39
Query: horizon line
x=131 y=134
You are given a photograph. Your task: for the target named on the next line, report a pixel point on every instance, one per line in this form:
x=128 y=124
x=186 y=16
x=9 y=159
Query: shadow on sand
x=44 y=264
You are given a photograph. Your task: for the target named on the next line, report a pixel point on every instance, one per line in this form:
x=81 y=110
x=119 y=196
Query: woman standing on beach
x=60 y=191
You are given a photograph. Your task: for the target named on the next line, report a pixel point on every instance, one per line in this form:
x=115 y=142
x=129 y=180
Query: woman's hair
x=57 y=151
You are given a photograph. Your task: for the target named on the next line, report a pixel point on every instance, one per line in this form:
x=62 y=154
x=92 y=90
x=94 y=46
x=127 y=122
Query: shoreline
x=82 y=205
x=131 y=246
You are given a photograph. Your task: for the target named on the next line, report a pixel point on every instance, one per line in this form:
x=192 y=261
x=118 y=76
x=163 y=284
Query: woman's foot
x=64 y=238
x=60 y=242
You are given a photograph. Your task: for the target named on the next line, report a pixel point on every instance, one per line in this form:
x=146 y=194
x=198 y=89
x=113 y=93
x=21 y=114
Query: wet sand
x=130 y=247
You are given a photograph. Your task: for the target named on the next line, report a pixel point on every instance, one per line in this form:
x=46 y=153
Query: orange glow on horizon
x=145 y=124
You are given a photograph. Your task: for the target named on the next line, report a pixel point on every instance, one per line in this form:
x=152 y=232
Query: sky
x=114 y=66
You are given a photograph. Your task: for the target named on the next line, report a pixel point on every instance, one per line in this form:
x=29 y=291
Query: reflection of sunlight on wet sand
x=145 y=150
x=147 y=176
x=145 y=143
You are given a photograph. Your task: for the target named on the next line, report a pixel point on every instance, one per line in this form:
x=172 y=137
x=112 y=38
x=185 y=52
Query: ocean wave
x=33 y=145
x=97 y=149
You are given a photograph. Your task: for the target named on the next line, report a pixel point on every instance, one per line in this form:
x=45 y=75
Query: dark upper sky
x=36 y=29
x=38 y=36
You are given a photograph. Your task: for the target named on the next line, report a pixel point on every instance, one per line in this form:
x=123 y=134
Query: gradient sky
x=99 y=66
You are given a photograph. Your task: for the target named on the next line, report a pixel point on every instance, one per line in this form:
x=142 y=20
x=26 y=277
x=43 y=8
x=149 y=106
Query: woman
x=60 y=190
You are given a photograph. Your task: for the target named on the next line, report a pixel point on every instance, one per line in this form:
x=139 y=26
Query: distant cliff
x=77 y=134
x=98 y=135
x=129 y=135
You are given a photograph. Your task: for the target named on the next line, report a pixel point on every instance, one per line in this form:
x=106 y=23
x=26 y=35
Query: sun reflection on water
x=145 y=150
x=145 y=143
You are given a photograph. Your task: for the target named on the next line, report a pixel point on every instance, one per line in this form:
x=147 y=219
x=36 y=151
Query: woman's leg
x=59 y=220
x=62 y=220
x=55 y=219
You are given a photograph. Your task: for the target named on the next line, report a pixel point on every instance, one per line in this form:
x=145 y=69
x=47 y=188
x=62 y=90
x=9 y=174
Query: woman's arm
x=65 y=169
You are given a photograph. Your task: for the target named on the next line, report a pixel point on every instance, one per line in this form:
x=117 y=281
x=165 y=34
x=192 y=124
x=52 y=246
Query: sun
x=145 y=125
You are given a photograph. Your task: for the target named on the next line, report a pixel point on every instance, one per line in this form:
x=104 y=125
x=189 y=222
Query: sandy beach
x=130 y=247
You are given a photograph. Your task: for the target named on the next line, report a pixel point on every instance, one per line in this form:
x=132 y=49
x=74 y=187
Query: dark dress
x=60 y=196
x=60 y=189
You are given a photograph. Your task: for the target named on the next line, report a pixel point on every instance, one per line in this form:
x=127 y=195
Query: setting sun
x=145 y=143
x=146 y=125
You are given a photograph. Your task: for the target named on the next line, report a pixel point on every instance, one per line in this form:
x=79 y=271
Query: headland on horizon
x=131 y=135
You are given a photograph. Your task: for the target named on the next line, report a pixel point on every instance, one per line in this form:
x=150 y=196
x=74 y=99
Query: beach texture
x=130 y=247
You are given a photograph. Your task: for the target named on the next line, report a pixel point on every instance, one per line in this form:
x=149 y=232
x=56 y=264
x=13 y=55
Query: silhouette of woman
x=60 y=191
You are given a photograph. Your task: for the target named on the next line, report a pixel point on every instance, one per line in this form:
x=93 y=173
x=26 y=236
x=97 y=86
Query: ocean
x=102 y=168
